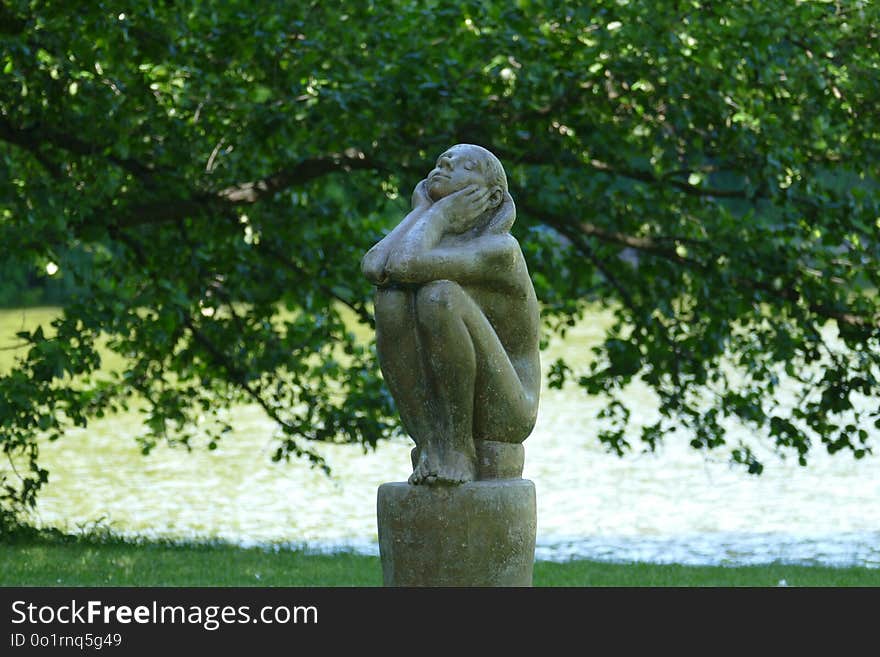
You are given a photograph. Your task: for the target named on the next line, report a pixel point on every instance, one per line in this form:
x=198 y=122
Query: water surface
x=672 y=506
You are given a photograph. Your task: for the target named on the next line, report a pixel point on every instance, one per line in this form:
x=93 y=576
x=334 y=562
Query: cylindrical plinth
x=476 y=534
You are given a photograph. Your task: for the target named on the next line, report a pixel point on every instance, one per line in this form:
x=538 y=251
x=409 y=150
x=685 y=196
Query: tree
x=208 y=175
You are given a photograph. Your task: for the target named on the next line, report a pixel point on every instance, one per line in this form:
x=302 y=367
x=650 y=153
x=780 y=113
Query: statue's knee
x=437 y=300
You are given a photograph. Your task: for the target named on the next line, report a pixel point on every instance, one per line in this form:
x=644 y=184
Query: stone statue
x=457 y=322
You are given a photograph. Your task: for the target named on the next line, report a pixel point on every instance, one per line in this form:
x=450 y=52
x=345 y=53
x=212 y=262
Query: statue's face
x=456 y=169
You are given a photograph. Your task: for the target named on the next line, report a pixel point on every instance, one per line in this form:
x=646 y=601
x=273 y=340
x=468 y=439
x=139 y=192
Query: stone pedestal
x=476 y=534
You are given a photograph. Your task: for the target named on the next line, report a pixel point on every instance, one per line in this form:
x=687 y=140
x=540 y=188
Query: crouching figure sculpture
x=457 y=328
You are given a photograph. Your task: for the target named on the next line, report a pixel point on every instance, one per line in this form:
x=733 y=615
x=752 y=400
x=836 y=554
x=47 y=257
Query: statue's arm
x=487 y=259
x=373 y=262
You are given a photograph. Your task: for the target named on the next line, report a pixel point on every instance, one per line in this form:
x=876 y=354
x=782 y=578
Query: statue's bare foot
x=425 y=469
x=456 y=468
x=448 y=467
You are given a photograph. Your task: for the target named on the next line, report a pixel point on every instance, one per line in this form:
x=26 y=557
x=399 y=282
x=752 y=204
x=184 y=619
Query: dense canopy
x=205 y=177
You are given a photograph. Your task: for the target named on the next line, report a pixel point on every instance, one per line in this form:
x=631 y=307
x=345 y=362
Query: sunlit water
x=672 y=506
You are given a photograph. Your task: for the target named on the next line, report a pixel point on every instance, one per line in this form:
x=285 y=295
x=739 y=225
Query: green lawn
x=37 y=562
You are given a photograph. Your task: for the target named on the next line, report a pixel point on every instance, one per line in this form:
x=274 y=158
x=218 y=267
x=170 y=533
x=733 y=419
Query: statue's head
x=464 y=165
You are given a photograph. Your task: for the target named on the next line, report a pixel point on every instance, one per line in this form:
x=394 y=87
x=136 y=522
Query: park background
x=187 y=192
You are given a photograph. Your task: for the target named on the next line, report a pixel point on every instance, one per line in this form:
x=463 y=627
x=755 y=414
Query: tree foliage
x=208 y=174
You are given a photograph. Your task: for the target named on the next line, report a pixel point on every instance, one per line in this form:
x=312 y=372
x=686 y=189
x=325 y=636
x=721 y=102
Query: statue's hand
x=420 y=198
x=461 y=208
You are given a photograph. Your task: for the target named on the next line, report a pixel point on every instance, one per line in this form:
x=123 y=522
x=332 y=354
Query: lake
x=676 y=505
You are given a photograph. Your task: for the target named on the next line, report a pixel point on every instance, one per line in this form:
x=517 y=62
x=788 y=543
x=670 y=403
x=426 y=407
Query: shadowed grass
x=66 y=561
x=120 y=563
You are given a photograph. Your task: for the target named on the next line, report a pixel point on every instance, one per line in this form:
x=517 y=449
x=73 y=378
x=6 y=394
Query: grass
x=157 y=564
x=592 y=573
x=66 y=561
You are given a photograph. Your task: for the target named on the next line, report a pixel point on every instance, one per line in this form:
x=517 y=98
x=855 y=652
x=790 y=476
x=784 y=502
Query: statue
x=457 y=320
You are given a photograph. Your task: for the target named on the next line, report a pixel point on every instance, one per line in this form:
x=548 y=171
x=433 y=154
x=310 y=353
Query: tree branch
x=644 y=244
x=201 y=203
x=239 y=378
x=648 y=177
x=541 y=159
x=31 y=138
x=787 y=292
x=288 y=262
x=236 y=375
x=167 y=210
x=635 y=310
x=297 y=174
